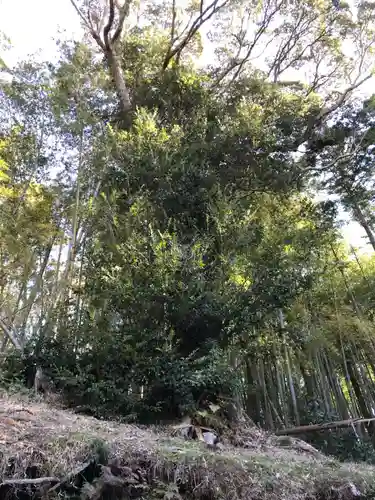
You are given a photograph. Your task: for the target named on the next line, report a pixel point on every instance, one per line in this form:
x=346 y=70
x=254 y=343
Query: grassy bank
x=82 y=457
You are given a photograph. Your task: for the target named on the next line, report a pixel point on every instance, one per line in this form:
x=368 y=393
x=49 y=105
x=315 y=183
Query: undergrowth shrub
x=107 y=383
x=343 y=443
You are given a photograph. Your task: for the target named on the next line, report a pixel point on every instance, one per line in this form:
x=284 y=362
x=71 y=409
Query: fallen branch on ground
x=29 y=481
x=319 y=427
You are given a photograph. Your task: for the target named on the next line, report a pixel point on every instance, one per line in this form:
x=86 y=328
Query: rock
x=212 y=440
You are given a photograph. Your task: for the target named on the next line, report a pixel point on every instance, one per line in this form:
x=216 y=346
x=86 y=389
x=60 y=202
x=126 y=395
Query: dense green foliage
x=160 y=257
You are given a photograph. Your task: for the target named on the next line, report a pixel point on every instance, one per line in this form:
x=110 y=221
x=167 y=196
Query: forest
x=165 y=247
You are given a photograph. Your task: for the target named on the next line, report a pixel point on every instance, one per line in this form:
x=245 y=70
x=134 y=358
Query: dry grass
x=57 y=441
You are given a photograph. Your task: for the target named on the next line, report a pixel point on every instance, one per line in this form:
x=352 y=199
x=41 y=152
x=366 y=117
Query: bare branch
x=266 y=22
x=79 y=12
x=88 y=25
x=204 y=16
x=325 y=112
x=301 y=28
x=239 y=62
x=173 y=26
x=103 y=18
x=123 y=14
x=91 y=21
x=107 y=44
x=93 y=18
x=300 y=55
x=319 y=80
x=344 y=157
x=108 y=26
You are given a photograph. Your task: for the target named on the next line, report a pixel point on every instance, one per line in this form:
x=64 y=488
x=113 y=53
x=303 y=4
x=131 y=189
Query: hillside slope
x=81 y=457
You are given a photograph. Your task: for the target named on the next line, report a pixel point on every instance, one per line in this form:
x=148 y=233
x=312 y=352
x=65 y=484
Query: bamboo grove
x=161 y=244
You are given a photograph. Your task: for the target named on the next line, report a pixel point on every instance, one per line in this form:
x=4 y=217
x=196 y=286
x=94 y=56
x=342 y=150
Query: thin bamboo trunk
x=322 y=384
x=289 y=371
x=38 y=284
x=73 y=244
x=267 y=409
x=271 y=379
x=14 y=314
x=291 y=387
x=341 y=403
x=360 y=399
x=252 y=401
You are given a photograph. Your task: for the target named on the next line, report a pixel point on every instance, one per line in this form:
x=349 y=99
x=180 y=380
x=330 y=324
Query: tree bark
x=361 y=219
x=112 y=26
x=119 y=80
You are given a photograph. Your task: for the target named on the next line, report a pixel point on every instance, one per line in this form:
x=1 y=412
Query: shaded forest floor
x=39 y=441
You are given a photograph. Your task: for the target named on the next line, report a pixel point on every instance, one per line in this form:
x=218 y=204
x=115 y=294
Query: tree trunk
x=361 y=219
x=119 y=80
